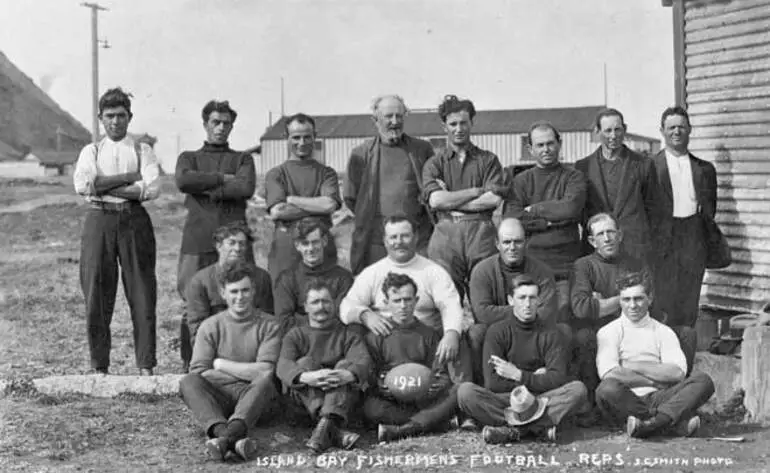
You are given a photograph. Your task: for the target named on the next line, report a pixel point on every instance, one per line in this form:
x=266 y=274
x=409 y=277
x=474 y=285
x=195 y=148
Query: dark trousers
x=488 y=408
x=213 y=404
x=283 y=255
x=428 y=413
x=458 y=246
x=125 y=238
x=679 y=270
x=187 y=266
x=617 y=401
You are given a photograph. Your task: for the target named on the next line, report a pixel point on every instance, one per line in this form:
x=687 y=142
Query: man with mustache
x=689 y=193
x=217 y=181
x=548 y=199
x=324 y=365
x=115 y=175
x=464 y=185
x=522 y=351
x=643 y=370
x=299 y=188
x=230 y=385
x=622 y=183
x=311 y=237
x=384 y=177
x=203 y=294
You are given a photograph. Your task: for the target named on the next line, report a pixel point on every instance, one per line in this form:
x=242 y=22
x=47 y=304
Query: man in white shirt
x=438 y=303
x=642 y=368
x=115 y=175
x=688 y=195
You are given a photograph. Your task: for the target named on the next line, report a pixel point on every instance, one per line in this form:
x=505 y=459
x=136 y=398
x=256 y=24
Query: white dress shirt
x=111 y=158
x=682 y=187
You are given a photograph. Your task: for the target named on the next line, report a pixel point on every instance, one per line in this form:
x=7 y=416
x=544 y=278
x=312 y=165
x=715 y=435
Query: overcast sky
x=335 y=55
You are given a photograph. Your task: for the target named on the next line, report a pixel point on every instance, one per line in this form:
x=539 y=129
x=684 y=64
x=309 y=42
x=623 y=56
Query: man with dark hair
x=464 y=185
x=643 y=369
x=689 y=201
x=203 y=296
x=521 y=351
x=384 y=177
x=311 y=237
x=218 y=182
x=299 y=188
x=230 y=384
x=324 y=365
x=115 y=175
x=410 y=341
x=622 y=183
x=549 y=200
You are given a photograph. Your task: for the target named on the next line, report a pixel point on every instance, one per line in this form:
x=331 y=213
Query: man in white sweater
x=438 y=304
x=642 y=368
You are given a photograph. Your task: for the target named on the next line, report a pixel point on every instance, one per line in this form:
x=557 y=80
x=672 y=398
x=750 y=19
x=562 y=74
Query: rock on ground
x=109 y=385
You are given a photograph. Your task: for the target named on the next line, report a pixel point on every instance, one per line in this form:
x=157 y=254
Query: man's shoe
x=99 y=371
x=500 y=435
x=145 y=372
x=389 y=433
x=217 y=448
x=469 y=425
x=687 y=427
x=246 y=448
x=638 y=428
x=321 y=438
x=346 y=439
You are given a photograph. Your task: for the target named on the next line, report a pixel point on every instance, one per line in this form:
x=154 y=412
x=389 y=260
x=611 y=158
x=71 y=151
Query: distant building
x=504 y=132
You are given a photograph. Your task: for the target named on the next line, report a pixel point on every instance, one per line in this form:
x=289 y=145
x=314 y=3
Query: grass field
x=42 y=332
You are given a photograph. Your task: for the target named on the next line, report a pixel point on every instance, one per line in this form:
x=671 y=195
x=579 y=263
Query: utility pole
x=95 y=7
x=282 y=114
x=604 y=79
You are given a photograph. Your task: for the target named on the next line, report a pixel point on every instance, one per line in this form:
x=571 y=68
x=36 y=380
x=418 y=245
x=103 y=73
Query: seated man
x=438 y=303
x=231 y=380
x=522 y=351
x=203 y=296
x=324 y=365
x=642 y=369
x=311 y=236
x=594 y=295
x=410 y=341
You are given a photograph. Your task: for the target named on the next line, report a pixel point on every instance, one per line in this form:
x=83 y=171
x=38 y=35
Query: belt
x=466 y=217
x=115 y=206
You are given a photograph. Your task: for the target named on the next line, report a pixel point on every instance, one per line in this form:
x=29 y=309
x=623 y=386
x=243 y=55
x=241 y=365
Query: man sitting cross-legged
x=410 y=341
x=231 y=380
x=642 y=368
x=311 y=236
x=522 y=351
x=324 y=365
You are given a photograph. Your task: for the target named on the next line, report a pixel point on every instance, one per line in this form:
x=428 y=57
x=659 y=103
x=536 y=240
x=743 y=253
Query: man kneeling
x=231 y=375
x=642 y=369
x=522 y=351
x=410 y=341
x=324 y=365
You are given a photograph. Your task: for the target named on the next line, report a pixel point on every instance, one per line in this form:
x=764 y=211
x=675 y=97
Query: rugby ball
x=409 y=382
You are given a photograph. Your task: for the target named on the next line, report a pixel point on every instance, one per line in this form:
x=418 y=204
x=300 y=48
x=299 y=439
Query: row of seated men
x=331 y=339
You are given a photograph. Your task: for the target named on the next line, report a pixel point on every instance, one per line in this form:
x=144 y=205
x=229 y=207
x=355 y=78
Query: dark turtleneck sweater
x=211 y=202
x=529 y=346
x=290 y=283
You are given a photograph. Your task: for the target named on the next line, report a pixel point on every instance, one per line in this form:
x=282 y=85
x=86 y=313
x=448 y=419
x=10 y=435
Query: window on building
x=525 y=156
x=318 y=151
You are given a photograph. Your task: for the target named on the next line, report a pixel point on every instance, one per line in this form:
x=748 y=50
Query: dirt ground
x=42 y=332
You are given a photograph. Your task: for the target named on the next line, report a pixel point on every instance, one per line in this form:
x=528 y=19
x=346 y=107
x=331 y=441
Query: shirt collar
x=645 y=321
x=671 y=155
x=472 y=152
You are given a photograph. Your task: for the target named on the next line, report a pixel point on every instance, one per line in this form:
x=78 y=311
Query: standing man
x=116 y=175
x=298 y=188
x=384 y=177
x=549 y=200
x=622 y=183
x=642 y=368
x=218 y=182
x=464 y=184
x=689 y=197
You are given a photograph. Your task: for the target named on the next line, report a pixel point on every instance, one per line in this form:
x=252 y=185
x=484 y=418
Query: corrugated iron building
x=504 y=132
x=722 y=54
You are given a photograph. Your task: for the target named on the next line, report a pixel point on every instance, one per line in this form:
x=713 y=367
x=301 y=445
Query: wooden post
x=755 y=372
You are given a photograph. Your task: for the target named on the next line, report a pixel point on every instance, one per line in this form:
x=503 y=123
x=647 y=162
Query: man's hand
x=505 y=369
x=376 y=323
x=316 y=379
x=216 y=364
x=448 y=348
x=383 y=388
x=337 y=378
x=497 y=189
x=438 y=384
x=598 y=296
x=763 y=319
x=541 y=370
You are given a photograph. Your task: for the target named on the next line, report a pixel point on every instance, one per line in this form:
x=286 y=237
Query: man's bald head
x=511 y=241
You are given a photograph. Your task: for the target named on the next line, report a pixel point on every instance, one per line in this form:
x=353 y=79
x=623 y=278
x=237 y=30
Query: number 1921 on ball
x=404 y=382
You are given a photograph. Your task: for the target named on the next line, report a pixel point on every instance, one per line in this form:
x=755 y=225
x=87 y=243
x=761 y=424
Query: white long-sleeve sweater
x=438 y=305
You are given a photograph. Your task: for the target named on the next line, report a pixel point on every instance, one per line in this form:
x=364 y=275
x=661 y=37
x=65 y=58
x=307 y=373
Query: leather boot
x=388 y=433
x=322 y=436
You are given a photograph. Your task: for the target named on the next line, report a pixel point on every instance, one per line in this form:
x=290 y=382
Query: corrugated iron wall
x=727 y=71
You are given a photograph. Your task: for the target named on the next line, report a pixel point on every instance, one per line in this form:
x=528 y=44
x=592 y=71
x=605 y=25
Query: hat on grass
x=525 y=407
